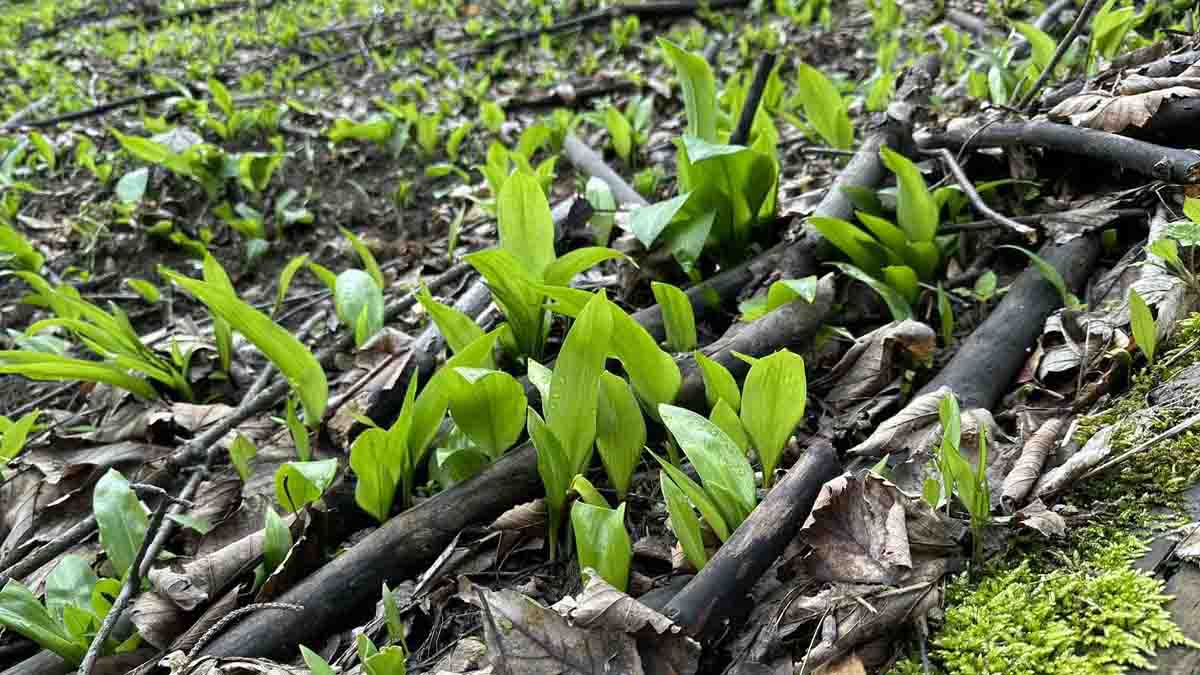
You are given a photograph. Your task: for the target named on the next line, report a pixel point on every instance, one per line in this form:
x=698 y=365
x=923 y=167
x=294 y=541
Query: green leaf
x=277 y=541
x=120 y=518
x=823 y=107
x=951 y=421
x=602 y=542
x=773 y=401
x=44 y=148
x=946 y=314
x=554 y=469
x=724 y=416
x=915 y=207
x=898 y=306
x=1145 y=330
x=147 y=290
x=560 y=272
x=256 y=168
x=985 y=286
x=707 y=506
x=860 y=247
x=389 y=661
x=14 y=434
x=718 y=383
x=717 y=458
x=1043 y=45
x=574 y=388
x=355 y=293
x=732 y=180
x=429 y=409
x=459 y=329
x=365 y=255
x=516 y=294
x=21 y=613
x=619 y=132
x=892 y=237
x=298 y=484
x=221 y=96
x=18 y=250
x=315 y=663
x=489 y=407
x=784 y=291
x=53 y=367
x=200 y=525
x=1191 y=209
x=321 y=272
x=620 y=431
x=539 y=377
x=525 y=224
x=373 y=460
x=132 y=186
x=699 y=90
x=648 y=222
x=289 y=355
x=70 y=584
x=678 y=318
x=285 y=279
x=684 y=522
x=241 y=451
x=600 y=196
x=1050 y=274
x=298 y=432
x=904 y=280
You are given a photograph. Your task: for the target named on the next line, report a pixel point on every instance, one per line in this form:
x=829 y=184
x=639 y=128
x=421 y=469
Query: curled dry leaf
x=1028 y=467
x=193 y=584
x=914 y=427
x=1114 y=114
x=1135 y=83
x=1036 y=516
x=1093 y=452
x=866 y=531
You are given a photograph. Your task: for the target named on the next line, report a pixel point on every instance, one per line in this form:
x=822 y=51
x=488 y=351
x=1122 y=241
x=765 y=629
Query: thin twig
x=762 y=73
x=133 y=582
x=164 y=531
x=1164 y=436
x=1027 y=101
x=964 y=182
x=49 y=551
x=234 y=616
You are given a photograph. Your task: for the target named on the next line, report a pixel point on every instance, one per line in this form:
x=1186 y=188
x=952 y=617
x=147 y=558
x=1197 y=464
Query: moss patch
x=1093 y=613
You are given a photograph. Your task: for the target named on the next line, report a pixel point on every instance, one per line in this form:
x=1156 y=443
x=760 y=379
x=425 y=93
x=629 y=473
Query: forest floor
x=654 y=336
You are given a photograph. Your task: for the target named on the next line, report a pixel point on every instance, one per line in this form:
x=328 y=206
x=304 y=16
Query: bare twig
x=741 y=133
x=234 y=616
x=1027 y=101
x=49 y=551
x=973 y=195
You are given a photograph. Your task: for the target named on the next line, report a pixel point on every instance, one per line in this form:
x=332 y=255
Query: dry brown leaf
x=914 y=427
x=851 y=665
x=1036 y=516
x=1028 y=468
x=1093 y=452
x=1114 y=114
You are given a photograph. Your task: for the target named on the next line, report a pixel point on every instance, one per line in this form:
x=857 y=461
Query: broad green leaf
x=321 y=272
x=561 y=271
x=221 y=96
x=132 y=186
x=429 y=409
x=147 y=290
x=717 y=458
x=704 y=503
x=587 y=492
x=924 y=257
x=724 y=416
x=1145 y=330
x=985 y=286
x=686 y=238
x=298 y=484
x=70 y=584
x=256 y=168
x=619 y=132
x=390 y=660
x=620 y=431
x=374 y=462
x=315 y=663
x=241 y=451
x=15 y=434
x=121 y=519
x=200 y=525
x=452 y=466
x=289 y=355
x=1191 y=209
x=285 y=279
x=554 y=468
x=1050 y=274
x=773 y=401
x=488 y=406
x=733 y=181
x=539 y=377
x=21 y=613
x=459 y=329
x=784 y=291
x=648 y=222
x=904 y=280
x=678 y=318
x=823 y=107
x=860 y=247
x=891 y=236
x=53 y=367
x=298 y=431
x=574 y=387
x=277 y=541
x=699 y=90
x=898 y=306
x=525 y=225
x=915 y=207
x=600 y=196
x=1043 y=45
x=951 y=421
x=684 y=522
x=718 y=383
x=946 y=314
x=602 y=542
x=356 y=294
x=516 y=294
x=365 y=255
x=17 y=249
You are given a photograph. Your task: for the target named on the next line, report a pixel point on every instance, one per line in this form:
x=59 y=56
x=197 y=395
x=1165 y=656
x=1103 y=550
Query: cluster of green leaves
x=824 y=108
x=76 y=598
x=724 y=190
x=206 y=164
x=628 y=130
x=524 y=264
x=392 y=659
x=958 y=477
x=17 y=252
x=1183 y=233
x=891 y=257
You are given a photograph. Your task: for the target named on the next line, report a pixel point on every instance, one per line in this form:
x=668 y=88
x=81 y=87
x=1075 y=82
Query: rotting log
x=1175 y=165
x=403 y=545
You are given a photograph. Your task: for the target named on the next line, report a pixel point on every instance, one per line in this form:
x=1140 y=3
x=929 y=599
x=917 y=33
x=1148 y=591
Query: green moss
x=1089 y=613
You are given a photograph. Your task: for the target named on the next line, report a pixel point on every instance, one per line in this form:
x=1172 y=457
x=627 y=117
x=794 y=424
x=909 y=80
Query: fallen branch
x=1027 y=101
x=1175 y=165
x=591 y=163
